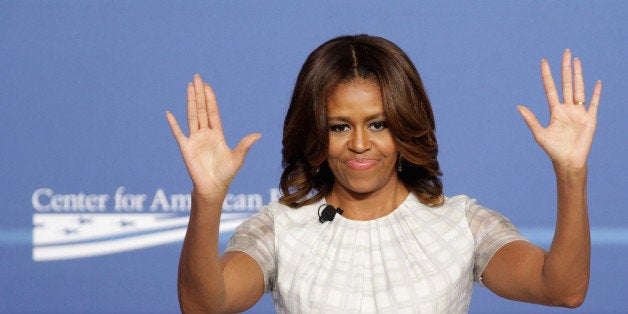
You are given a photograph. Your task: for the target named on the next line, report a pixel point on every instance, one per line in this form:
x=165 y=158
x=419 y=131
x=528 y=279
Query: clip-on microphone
x=328 y=214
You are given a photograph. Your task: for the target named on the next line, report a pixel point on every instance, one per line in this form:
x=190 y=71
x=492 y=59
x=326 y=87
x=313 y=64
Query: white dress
x=417 y=259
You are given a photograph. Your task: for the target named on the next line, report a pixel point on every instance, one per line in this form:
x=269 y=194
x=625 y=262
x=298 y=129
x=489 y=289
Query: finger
x=579 y=94
x=212 y=109
x=192 y=117
x=201 y=106
x=531 y=120
x=566 y=78
x=548 y=84
x=179 y=136
x=595 y=99
x=245 y=144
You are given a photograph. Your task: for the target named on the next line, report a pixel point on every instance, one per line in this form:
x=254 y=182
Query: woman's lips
x=361 y=163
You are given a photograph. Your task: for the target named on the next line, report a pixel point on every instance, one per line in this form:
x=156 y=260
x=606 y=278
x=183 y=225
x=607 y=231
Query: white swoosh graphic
x=81 y=250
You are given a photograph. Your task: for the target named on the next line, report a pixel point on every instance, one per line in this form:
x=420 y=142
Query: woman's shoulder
x=281 y=211
x=278 y=207
x=462 y=204
x=460 y=201
x=473 y=210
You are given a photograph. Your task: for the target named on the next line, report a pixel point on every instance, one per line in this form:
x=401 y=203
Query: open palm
x=568 y=137
x=212 y=165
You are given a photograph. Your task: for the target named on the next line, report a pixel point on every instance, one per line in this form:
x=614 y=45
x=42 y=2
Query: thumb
x=530 y=119
x=245 y=144
x=175 y=128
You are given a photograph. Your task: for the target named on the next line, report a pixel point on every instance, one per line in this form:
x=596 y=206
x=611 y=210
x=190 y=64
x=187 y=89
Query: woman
x=359 y=135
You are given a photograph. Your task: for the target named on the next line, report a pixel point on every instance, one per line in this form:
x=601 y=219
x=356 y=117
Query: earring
x=399 y=164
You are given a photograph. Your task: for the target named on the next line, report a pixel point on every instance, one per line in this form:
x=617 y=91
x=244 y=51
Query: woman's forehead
x=358 y=97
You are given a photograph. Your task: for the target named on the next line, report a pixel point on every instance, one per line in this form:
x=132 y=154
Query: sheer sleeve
x=491 y=231
x=256 y=237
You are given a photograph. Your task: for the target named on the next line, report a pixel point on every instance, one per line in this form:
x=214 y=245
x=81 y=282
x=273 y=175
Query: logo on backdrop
x=77 y=225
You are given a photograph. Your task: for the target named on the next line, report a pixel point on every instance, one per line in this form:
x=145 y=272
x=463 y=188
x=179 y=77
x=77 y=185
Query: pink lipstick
x=361 y=163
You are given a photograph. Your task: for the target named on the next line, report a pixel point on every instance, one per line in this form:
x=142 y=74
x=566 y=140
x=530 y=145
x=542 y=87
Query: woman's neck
x=367 y=206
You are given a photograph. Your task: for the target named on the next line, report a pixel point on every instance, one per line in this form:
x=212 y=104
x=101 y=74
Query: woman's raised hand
x=568 y=137
x=210 y=162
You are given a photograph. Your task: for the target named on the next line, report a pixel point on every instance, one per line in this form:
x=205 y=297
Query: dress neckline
x=410 y=198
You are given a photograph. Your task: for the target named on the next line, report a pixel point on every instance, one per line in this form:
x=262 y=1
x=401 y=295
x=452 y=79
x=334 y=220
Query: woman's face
x=362 y=153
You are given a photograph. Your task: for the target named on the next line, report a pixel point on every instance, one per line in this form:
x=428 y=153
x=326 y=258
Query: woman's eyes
x=376 y=126
x=339 y=127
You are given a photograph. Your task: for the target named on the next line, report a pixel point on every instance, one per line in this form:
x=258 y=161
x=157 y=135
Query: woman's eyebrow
x=378 y=115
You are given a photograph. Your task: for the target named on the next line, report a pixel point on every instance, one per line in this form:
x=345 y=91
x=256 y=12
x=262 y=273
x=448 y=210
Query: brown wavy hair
x=306 y=176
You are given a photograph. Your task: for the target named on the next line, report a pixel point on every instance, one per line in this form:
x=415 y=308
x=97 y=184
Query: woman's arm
x=522 y=271
x=206 y=283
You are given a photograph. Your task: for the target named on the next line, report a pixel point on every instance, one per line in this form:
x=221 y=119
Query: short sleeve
x=256 y=237
x=491 y=231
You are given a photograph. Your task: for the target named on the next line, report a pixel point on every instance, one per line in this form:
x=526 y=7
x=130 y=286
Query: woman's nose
x=359 y=141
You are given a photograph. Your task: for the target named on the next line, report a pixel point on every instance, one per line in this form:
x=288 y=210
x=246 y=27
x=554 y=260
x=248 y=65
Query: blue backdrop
x=95 y=196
